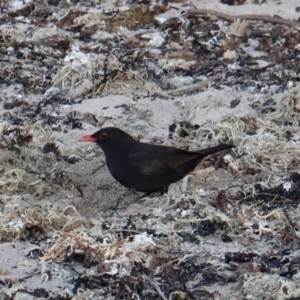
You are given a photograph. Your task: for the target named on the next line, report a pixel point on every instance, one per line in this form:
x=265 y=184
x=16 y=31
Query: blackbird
x=145 y=167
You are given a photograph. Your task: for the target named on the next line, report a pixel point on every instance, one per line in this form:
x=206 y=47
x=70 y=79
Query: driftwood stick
x=276 y=20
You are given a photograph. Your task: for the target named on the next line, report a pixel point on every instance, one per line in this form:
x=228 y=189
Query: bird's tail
x=212 y=150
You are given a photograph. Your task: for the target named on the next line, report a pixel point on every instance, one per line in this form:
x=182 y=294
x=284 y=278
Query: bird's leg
x=142 y=196
x=120 y=198
x=164 y=191
x=161 y=193
x=98 y=168
x=133 y=191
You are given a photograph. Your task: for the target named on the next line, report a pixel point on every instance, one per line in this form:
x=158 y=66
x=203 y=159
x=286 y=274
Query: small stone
x=234 y=103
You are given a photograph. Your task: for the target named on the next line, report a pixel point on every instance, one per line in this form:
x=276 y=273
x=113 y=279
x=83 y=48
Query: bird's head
x=108 y=138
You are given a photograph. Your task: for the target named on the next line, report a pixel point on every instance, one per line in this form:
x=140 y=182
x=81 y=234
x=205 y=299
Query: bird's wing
x=150 y=163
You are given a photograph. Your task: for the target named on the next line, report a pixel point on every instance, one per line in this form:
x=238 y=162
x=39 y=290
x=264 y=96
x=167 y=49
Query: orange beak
x=87 y=138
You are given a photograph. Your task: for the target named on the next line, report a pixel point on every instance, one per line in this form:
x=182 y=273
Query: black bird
x=145 y=167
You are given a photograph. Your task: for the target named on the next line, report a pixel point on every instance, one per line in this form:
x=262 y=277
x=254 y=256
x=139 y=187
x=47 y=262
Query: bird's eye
x=103 y=135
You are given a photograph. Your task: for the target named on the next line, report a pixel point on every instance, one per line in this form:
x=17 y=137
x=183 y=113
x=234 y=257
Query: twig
x=159 y=291
x=221 y=156
x=276 y=20
x=264 y=194
x=189 y=89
